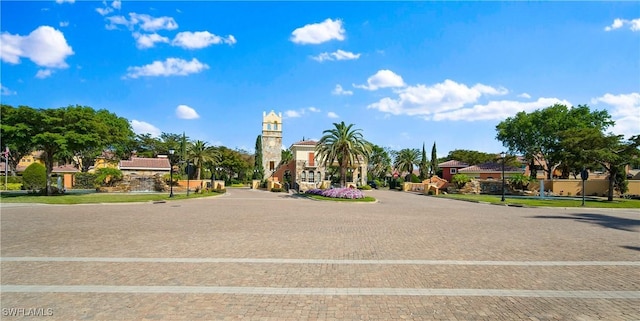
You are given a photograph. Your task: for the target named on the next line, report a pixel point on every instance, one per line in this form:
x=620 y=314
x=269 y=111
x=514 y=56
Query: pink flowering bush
x=351 y=193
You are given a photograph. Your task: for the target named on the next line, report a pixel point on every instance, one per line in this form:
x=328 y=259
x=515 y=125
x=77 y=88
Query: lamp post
x=502 y=155
x=188 y=174
x=171 y=151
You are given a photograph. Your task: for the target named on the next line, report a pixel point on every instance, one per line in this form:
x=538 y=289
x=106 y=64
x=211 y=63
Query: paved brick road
x=255 y=255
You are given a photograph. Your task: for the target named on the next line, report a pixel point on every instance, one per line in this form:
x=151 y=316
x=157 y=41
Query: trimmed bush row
x=350 y=193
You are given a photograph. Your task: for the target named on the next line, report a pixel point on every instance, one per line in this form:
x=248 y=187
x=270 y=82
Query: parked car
x=372 y=184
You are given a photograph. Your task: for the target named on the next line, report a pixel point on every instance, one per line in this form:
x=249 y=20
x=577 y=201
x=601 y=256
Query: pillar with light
x=171 y=151
x=502 y=156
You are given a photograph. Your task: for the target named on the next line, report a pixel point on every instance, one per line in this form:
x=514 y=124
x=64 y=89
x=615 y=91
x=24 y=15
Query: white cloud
x=44 y=73
x=64 y=23
x=634 y=24
x=340 y=91
x=63 y=1
x=186 y=112
x=149 y=23
x=313 y=109
x=200 y=39
x=292 y=114
x=425 y=100
x=382 y=79
x=524 y=95
x=495 y=110
x=116 y=4
x=141 y=127
x=317 y=33
x=332 y=115
x=104 y=11
x=169 y=67
x=337 y=55
x=143 y=21
x=6 y=91
x=144 y=41
x=625 y=112
x=45 y=46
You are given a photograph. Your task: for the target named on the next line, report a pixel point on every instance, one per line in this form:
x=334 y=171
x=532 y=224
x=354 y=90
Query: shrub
x=85 y=180
x=108 y=176
x=520 y=181
x=415 y=179
x=12 y=186
x=219 y=190
x=34 y=177
x=12 y=179
x=277 y=190
x=379 y=183
x=364 y=187
x=351 y=193
x=460 y=180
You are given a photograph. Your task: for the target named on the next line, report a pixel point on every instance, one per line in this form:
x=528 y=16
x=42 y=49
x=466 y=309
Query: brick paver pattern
x=254 y=255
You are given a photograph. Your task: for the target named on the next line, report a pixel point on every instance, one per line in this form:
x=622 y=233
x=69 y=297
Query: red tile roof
x=453 y=164
x=489 y=168
x=143 y=163
x=65 y=169
x=307 y=143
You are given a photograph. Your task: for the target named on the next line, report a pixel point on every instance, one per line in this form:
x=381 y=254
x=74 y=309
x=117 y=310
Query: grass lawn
x=366 y=199
x=495 y=199
x=91 y=198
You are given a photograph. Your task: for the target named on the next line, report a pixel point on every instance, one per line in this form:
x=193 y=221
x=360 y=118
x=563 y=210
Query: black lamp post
x=171 y=151
x=503 y=155
x=188 y=174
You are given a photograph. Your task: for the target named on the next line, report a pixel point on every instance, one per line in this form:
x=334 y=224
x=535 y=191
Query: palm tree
x=405 y=160
x=200 y=153
x=286 y=156
x=343 y=145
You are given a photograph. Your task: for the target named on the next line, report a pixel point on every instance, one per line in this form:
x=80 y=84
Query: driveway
x=256 y=255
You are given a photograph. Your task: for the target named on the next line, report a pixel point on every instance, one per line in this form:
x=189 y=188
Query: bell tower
x=271 y=141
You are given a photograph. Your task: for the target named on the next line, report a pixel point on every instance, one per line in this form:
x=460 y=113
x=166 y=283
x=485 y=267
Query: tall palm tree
x=343 y=145
x=405 y=159
x=199 y=153
x=286 y=156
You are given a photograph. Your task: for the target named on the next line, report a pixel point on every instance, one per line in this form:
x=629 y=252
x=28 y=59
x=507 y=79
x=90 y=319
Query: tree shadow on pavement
x=629 y=247
x=618 y=223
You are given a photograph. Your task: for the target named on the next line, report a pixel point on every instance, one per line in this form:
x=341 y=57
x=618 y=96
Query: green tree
x=258 y=168
x=424 y=165
x=343 y=145
x=379 y=162
x=34 y=177
x=471 y=157
x=434 y=160
x=607 y=150
x=69 y=130
x=108 y=176
x=535 y=135
x=199 y=153
x=286 y=156
x=16 y=129
x=404 y=161
x=460 y=180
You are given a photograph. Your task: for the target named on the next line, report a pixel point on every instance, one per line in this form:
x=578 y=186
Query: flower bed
x=350 y=193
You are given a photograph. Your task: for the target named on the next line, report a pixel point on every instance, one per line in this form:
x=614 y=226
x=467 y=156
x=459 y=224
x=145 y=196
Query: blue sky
x=405 y=73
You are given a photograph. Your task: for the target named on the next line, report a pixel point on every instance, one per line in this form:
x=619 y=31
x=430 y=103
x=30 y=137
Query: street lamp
x=188 y=174
x=171 y=151
x=502 y=155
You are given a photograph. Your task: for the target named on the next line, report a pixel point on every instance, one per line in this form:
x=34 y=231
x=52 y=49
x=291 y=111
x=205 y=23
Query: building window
x=303 y=176
x=311 y=177
x=452 y=171
x=319 y=177
x=272 y=165
x=275 y=125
